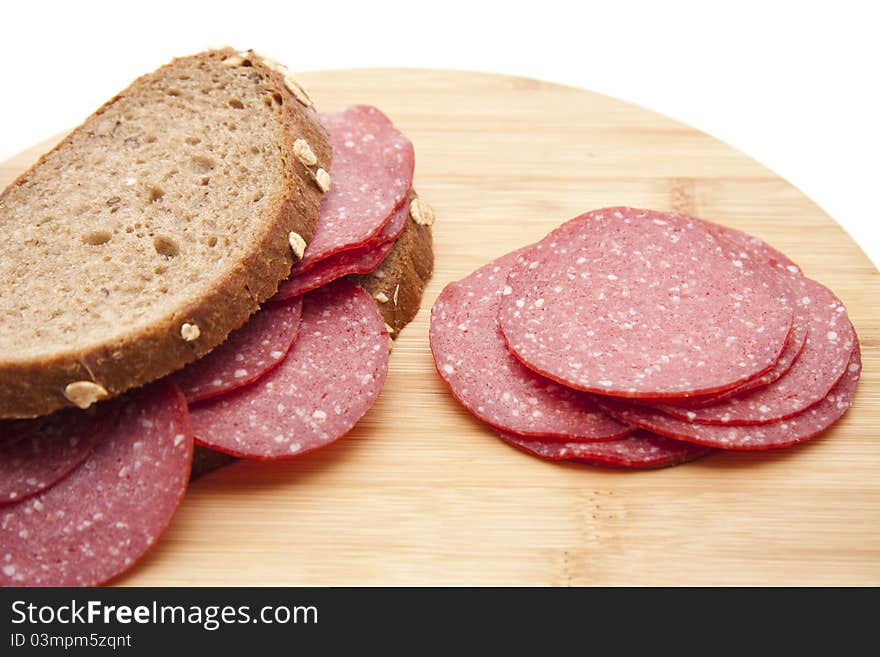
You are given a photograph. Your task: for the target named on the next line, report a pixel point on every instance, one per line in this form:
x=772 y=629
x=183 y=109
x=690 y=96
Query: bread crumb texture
x=157 y=203
x=82 y=245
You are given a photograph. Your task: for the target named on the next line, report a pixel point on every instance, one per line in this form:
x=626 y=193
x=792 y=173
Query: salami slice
x=247 y=354
x=371 y=173
x=360 y=260
x=782 y=433
x=639 y=450
x=826 y=354
x=35 y=454
x=473 y=360
x=793 y=349
x=99 y=520
x=753 y=246
x=352 y=261
x=637 y=303
x=749 y=247
x=394 y=227
x=794 y=346
x=330 y=378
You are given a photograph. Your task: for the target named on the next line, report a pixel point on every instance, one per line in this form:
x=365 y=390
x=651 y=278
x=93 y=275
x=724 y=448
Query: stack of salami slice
x=307 y=366
x=641 y=339
x=84 y=494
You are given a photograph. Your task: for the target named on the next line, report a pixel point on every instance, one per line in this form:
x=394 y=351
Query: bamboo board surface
x=421 y=493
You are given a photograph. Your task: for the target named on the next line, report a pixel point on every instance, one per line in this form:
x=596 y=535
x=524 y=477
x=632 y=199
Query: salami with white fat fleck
x=639 y=450
x=825 y=356
x=782 y=433
x=794 y=346
x=394 y=226
x=329 y=380
x=35 y=454
x=752 y=245
x=473 y=360
x=372 y=172
x=344 y=263
x=98 y=521
x=793 y=349
x=360 y=260
x=637 y=303
x=247 y=354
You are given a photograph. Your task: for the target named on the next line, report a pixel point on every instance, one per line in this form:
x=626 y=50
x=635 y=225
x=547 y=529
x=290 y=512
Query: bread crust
x=403 y=275
x=35 y=387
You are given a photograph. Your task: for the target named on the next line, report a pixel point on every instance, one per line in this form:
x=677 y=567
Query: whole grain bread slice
x=397 y=286
x=154 y=229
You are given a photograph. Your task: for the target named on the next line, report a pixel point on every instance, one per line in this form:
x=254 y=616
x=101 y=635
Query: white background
x=796 y=85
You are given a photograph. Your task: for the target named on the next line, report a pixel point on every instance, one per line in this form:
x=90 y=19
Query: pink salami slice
x=35 y=454
x=352 y=261
x=639 y=450
x=99 y=520
x=636 y=303
x=753 y=246
x=330 y=378
x=393 y=228
x=794 y=346
x=371 y=173
x=826 y=354
x=473 y=360
x=782 y=433
x=750 y=247
x=246 y=356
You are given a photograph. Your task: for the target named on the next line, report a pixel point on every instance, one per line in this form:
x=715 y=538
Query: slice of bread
x=397 y=286
x=154 y=229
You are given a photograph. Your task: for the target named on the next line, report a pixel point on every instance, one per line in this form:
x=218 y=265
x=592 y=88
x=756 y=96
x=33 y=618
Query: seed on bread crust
x=297 y=90
x=323 y=179
x=381 y=297
x=304 y=152
x=389 y=328
x=290 y=82
x=84 y=393
x=271 y=62
x=421 y=212
x=405 y=271
x=233 y=61
x=297 y=244
x=190 y=332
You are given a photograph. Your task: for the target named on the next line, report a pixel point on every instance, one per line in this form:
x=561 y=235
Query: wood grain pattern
x=420 y=493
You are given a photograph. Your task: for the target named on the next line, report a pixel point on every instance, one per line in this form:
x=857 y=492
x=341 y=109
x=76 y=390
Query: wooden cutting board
x=421 y=493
